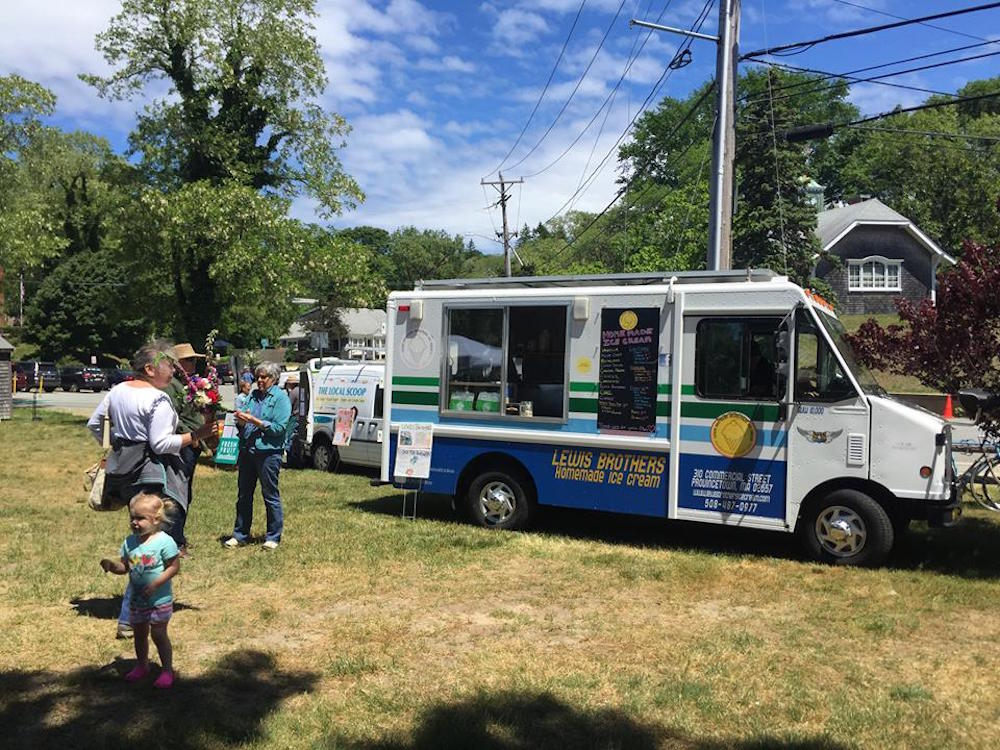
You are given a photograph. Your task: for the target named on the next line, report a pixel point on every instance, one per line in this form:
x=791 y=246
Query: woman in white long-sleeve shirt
x=145 y=446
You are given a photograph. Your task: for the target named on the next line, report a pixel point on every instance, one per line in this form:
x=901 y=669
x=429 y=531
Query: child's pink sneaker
x=165 y=680
x=136 y=674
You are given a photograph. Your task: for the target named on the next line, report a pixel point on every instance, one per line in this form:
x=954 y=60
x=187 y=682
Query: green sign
x=229 y=443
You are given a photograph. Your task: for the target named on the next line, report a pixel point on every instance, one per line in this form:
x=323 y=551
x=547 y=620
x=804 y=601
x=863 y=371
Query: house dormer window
x=874 y=274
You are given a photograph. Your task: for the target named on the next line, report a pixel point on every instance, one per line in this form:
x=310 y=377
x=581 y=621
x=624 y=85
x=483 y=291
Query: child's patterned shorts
x=156 y=615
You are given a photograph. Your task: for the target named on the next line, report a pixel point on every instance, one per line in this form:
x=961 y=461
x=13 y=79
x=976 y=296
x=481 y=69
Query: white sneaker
x=269 y=545
x=232 y=543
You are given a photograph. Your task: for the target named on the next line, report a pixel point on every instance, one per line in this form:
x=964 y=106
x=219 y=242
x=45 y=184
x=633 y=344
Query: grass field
x=364 y=630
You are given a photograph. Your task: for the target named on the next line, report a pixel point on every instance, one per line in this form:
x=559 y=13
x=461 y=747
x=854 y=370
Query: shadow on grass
x=967 y=550
x=512 y=721
x=93 y=707
x=610 y=528
x=107 y=608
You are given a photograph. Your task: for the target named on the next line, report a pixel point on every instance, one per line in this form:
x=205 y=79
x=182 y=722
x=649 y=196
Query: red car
x=20 y=379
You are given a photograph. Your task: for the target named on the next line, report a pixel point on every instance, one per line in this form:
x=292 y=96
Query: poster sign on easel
x=344 y=425
x=413 y=450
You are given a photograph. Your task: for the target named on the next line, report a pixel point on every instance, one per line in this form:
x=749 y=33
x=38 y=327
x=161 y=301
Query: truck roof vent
x=855 y=449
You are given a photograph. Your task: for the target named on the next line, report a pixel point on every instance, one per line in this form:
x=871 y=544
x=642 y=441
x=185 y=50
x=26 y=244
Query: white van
x=726 y=398
x=357 y=385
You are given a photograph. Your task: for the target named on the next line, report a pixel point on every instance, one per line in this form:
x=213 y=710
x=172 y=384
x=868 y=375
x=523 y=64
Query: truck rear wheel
x=499 y=500
x=846 y=527
x=323 y=455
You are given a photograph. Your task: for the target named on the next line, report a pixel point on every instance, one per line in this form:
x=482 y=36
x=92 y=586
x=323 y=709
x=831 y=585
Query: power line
x=930 y=133
x=803 y=46
x=903 y=18
x=656 y=87
x=575 y=89
x=874 y=79
x=687 y=116
x=824 y=130
x=848 y=73
x=609 y=98
x=919 y=107
x=544 y=89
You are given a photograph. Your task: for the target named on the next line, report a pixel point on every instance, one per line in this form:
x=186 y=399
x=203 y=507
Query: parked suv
x=116 y=375
x=48 y=374
x=80 y=378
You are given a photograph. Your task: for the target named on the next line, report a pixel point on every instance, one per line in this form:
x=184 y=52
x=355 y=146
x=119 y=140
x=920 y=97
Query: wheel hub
x=497 y=501
x=841 y=531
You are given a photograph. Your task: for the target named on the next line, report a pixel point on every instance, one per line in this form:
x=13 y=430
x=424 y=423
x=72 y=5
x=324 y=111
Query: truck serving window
x=507 y=361
x=734 y=358
x=818 y=375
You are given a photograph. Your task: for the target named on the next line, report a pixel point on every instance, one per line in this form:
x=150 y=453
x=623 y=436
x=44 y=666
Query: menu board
x=630 y=339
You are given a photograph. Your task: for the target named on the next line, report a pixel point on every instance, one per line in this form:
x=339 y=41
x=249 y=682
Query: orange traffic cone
x=947 y=414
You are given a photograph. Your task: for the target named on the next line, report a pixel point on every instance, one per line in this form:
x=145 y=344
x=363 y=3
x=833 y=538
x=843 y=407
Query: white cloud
x=515 y=28
x=448 y=64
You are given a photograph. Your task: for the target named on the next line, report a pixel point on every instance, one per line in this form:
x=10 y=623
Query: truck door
x=828 y=420
x=732 y=465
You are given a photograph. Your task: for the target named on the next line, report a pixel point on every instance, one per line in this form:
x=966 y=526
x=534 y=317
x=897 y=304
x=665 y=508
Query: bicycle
x=982 y=479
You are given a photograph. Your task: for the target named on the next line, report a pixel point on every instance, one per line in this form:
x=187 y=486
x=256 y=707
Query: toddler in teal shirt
x=150 y=558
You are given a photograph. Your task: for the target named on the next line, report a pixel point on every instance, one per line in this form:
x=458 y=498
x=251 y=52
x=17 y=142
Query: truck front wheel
x=846 y=527
x=499 y=500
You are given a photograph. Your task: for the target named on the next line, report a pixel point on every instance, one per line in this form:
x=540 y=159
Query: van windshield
x=837 y=334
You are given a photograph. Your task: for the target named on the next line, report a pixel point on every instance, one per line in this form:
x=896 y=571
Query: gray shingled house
x=883 y=256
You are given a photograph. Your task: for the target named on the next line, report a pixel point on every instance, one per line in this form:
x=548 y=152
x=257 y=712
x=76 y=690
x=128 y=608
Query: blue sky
x=437 y=92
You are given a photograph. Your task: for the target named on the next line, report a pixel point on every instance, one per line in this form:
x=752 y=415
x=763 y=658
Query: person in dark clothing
x=761 y=373
x=189 y=419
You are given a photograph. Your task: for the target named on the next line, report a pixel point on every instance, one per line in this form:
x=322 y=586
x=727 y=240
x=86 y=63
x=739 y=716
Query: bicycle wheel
x=985 y=484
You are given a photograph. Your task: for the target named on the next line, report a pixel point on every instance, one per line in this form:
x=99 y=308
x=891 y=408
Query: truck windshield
x=863 y=375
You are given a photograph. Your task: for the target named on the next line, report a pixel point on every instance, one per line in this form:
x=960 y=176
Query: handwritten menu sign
x=626 y=399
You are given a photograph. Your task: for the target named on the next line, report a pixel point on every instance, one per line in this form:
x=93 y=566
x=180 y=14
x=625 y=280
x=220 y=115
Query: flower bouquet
x=202 y=391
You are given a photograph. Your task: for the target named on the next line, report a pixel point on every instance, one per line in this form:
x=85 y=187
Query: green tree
x=425 y=254
x=774 y=225
x=27 y=233
x=239 y=134
x=948 y=186
x=244 y=78
x=84 y=307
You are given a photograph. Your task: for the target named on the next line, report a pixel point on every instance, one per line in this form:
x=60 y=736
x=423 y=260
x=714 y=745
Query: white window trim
x=886 y=262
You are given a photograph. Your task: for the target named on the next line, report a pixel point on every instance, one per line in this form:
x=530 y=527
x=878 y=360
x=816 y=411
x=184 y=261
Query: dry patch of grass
x=368 y=631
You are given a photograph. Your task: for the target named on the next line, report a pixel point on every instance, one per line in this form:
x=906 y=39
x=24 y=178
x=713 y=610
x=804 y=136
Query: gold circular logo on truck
x=733 y=434
x=628 y=320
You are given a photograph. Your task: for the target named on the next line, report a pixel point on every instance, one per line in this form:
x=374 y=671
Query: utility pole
x=720 y=219
x=501 y=186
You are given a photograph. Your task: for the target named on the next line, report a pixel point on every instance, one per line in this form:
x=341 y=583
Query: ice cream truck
x=729 y=398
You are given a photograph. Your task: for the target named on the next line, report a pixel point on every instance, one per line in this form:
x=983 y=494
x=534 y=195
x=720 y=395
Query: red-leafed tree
x=952 y=345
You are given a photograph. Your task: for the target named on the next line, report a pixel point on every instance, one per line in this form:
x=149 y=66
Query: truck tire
x=500 y=500
x=324 y=455
x=846 y=527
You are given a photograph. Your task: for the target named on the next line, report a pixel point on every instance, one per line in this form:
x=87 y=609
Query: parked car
x=80 y=378
x=225 y=373
x=48 y=374
x=116 y=375
x=20 y=379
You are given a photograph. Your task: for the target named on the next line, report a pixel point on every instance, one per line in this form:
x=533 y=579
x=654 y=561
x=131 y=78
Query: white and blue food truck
x=727 y=398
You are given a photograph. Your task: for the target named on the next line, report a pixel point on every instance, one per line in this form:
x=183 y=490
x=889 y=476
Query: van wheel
x=324 y=456
x=499 y=500
x=847 y=527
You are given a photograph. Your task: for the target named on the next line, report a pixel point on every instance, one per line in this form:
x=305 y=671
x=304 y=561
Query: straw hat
x=186 y=351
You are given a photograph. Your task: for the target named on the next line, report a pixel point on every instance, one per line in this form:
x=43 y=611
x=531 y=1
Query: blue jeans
x=265 y=467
